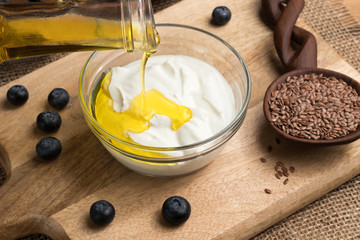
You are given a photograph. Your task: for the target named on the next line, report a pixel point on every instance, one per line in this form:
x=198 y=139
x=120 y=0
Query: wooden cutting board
x=227 y=197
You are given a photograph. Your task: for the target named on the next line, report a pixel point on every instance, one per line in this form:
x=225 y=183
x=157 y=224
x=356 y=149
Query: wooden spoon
x=296 y=48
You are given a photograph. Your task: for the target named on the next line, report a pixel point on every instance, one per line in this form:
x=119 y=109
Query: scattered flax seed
x=313 y=106
x=263 y=160
x=268 y=191
x=281 y=170
x=269 y=148
x=277 y=140
x=286 y=181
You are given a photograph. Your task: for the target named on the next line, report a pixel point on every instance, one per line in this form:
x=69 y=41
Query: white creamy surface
x=185 y=80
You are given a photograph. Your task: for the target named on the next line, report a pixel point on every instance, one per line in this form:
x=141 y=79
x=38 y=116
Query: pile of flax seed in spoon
x=313 y=106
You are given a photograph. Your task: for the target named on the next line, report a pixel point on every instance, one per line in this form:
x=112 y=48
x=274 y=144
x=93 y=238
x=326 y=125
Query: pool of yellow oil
x=142 y=108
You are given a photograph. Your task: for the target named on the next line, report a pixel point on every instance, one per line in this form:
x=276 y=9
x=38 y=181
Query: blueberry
x=17 y=95
x=58 y=98
x=48 y=121
x=102 y=212
x=48 y=148
x=176 y=210
x=221 y=15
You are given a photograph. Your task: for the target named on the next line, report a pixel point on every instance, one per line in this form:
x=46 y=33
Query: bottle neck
x=138 y=25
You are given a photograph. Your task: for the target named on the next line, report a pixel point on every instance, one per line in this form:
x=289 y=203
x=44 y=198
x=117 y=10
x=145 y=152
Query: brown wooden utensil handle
x=295 y=46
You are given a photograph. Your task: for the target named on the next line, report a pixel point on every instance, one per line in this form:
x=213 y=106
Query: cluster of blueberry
x=48 y=148
x=175 y=210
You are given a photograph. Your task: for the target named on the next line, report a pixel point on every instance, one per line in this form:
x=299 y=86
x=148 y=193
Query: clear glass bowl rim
x=232 y=124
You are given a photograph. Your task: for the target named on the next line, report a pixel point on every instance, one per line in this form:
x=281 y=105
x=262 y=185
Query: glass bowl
x=170 y=161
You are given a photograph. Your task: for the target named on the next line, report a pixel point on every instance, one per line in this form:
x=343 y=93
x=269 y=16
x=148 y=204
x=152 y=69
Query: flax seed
x=268 y=191
x=311 y=102
x=292 y=169
x=280 y=164
x=286 y=181
x=263 y=160
x=277 y=175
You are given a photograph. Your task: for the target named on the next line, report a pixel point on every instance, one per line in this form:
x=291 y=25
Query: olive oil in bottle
x=29 y=29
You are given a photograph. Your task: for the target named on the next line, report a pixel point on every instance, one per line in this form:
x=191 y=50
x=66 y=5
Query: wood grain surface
x=227 y=197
